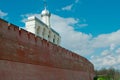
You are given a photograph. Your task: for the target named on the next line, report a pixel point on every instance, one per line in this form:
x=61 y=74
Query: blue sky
x=93 y=26
x=102 y=16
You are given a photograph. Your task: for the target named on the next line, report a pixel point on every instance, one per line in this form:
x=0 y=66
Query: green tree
x=108 y=74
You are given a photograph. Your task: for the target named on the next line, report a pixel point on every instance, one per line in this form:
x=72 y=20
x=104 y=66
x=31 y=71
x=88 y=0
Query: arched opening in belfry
x=43 y=33
x=49 y=35
x=54 y=39
x=38 y=30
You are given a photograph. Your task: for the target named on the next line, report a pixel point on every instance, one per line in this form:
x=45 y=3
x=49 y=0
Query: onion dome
x=45 y=12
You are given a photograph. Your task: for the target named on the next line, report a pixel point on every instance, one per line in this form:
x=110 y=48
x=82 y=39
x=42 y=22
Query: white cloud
x=109 y=59
x=105 y=40
x=25 y=16
x=86 y=44
x=105 y=52
x=83 y=25
x=112 y=47
x=76 y=1
x=3 y=14
x=68 y=7
x=118 y=51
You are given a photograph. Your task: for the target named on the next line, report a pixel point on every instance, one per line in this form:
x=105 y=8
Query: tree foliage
x=108 y=74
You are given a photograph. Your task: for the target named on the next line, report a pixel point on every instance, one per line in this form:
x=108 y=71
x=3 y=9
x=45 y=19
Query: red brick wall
x=24 y=47
x=22 y=71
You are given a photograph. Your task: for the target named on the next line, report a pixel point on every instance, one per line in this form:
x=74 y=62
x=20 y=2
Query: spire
x=45 y=4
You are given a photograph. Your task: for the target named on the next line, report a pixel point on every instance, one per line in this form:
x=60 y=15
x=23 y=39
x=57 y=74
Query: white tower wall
x=30 y=25
x=46 y=20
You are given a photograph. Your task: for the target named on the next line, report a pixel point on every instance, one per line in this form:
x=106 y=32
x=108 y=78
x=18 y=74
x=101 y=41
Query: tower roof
x=45 y=12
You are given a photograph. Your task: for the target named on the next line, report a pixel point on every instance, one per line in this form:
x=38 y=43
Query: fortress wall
x=22 y=71
x=18 y=45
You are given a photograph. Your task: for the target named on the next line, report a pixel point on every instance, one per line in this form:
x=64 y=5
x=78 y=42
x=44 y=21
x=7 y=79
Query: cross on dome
x=45 y=12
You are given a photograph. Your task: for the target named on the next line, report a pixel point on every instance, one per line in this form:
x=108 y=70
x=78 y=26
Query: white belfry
x=42 y=28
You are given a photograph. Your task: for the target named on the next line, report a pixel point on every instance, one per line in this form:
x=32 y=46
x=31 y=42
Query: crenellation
x=12 y=28
x=32 y=38
x=9 y=26
x=15 y=28
x=19 y=32
x=35 y=37
x=28 y=35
